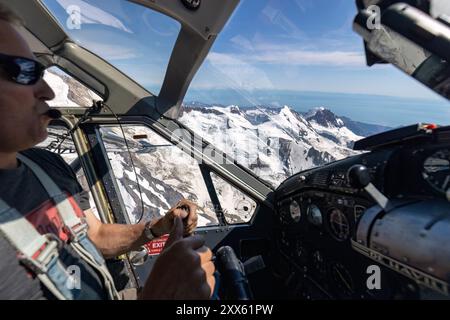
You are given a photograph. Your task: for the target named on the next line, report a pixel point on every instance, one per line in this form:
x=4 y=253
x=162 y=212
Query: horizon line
x=437 y=98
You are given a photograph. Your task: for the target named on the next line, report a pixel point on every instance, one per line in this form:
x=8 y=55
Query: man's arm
x=115 y=239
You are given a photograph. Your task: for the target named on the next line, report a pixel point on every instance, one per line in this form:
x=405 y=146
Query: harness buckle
x=45 y=257
x=78 y=232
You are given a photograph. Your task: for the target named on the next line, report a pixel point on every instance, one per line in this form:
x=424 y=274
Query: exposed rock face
x=273 y=143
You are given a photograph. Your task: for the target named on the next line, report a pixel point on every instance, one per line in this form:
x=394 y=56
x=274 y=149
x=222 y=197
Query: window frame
x=119 y=208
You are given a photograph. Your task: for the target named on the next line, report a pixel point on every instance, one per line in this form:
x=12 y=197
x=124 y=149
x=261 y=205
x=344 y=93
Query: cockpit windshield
x=136 y=40
x=286 y=88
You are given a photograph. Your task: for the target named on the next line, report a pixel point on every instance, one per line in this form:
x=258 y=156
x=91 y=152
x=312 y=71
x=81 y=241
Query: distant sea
x=381 y=110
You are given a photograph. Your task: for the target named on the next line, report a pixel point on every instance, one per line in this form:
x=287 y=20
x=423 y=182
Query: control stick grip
x=234 y=273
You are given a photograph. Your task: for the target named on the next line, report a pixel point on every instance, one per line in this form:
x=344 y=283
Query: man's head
x=22 y=107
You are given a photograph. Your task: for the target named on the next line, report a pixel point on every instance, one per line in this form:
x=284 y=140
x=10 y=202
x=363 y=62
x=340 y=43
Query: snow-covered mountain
x=165 y=174
x=273 y=143
x=69 y=92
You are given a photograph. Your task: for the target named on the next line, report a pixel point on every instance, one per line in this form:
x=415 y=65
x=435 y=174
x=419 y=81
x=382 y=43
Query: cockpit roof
x=137 y=41
x=168 y=40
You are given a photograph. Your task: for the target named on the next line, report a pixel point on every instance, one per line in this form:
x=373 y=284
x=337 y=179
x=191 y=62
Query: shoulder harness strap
x=76 y=227
x=38 y=252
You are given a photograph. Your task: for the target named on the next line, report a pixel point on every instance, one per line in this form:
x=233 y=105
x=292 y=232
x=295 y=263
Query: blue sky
x=299 y=45
x=135 y=40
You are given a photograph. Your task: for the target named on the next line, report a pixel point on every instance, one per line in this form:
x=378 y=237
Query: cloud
x=249 y=68
x=110 y=52
x=257 y=50
x=287 y=55
x=305 y=58
x=242 y=42
x=223 y=70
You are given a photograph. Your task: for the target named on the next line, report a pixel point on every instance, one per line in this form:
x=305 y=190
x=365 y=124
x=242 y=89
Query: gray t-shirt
x=20 y=189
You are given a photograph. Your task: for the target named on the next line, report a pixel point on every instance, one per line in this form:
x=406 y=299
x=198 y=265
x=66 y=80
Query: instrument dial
x=339 y=225
x=314 y=215
x=295 y=211
x=436 y=170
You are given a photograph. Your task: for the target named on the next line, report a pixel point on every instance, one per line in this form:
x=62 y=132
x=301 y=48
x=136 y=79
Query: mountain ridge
x=273 y=143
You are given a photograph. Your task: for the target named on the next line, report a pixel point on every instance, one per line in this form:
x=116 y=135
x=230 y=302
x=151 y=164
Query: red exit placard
x=156 y=246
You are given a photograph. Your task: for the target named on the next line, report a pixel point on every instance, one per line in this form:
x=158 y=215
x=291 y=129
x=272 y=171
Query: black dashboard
x=336 y=242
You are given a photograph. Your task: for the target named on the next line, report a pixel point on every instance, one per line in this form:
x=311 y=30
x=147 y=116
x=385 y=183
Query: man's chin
x=43 y=135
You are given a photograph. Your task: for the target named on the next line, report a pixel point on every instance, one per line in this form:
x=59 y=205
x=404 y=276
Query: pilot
x=51 y=244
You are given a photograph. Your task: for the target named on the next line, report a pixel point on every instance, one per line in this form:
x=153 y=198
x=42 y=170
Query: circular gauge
x=342 y=280
x=314 y=215
x=295 y=211
x=339 y=225
x=436 y=170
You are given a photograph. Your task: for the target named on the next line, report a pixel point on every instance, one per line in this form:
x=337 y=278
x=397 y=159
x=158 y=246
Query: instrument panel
x=318 y=212
x=322 y=212
x=312 y=241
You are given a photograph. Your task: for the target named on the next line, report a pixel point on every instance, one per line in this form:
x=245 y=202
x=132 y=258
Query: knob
x=358 y=176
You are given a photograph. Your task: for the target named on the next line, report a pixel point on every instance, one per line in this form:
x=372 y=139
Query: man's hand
x=184 y=209
x=116 y=239
x=184 y=269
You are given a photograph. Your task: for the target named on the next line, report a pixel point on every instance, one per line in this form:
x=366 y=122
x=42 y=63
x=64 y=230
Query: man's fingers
x=190 y=226
x=209 y=268
x=187 y=210
x=191 y=206
x=178 y=212
x=176 y=233
x=205 y=254
x=211 y=279
x=192 y=209
x=193 y=217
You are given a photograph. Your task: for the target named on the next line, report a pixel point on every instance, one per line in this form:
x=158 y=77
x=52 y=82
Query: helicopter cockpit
x=319 y=210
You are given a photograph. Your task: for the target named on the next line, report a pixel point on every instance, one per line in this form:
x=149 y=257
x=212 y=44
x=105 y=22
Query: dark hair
x=8 y=15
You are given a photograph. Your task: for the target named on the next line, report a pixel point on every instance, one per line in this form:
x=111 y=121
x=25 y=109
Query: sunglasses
x=21 y=70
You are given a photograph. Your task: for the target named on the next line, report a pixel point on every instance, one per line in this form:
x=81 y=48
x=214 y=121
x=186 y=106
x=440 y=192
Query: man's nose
x=43 y=91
